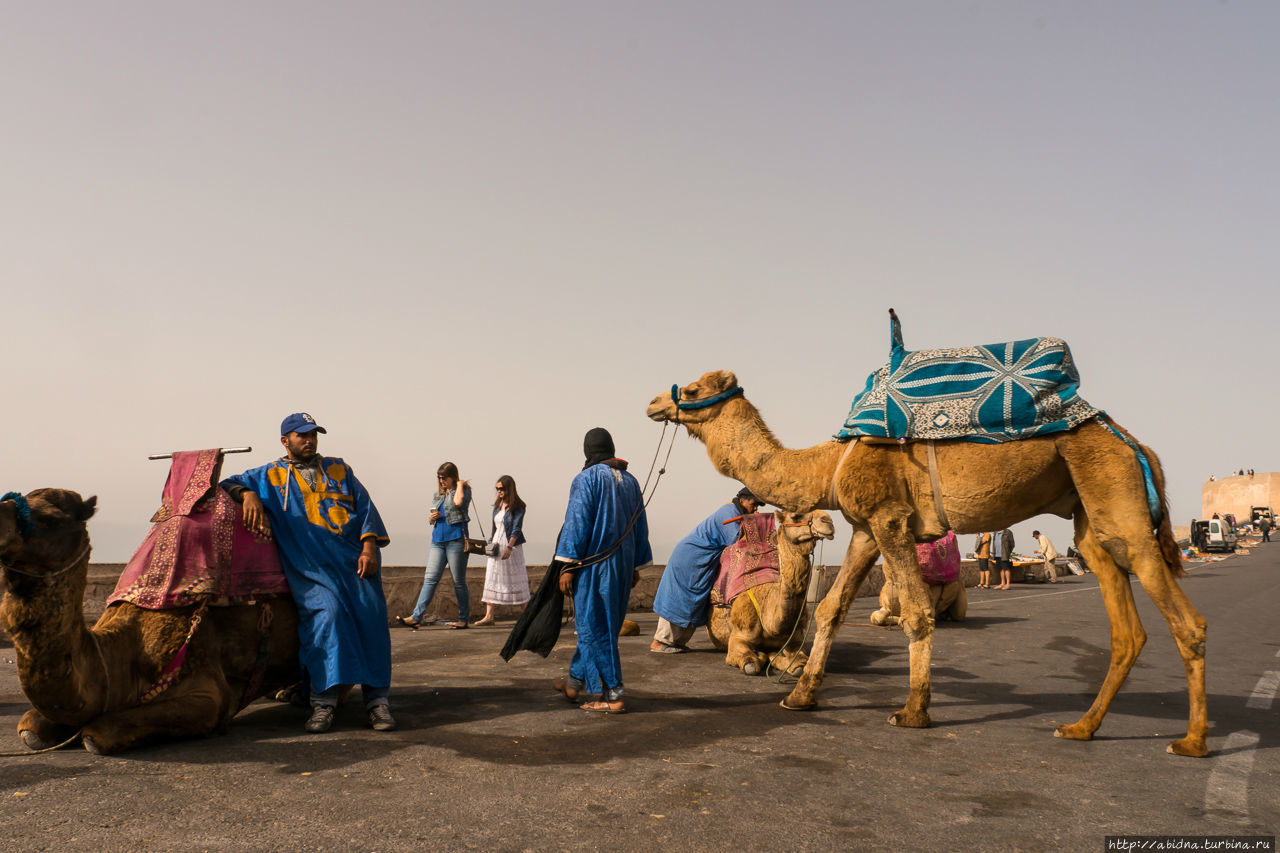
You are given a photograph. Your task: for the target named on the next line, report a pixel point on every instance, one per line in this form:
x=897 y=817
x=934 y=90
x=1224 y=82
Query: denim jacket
x=453 y=514
x=515 y=524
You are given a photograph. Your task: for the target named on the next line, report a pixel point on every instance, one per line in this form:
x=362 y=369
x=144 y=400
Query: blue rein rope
x=702 y=404
x=25 y=527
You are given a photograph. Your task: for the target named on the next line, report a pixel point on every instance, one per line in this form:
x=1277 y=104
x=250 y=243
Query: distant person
x=448 y=519
x=328 y=532
x=605 y=538
x=1002 y=553
x=1050 y=554
x=982 y=553
x=684 y=593
x=1264 y=524
x=506 y=577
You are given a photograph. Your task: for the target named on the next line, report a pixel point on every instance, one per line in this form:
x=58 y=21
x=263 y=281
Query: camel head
x=696 y=402
x=42 y=531
x=802 y=530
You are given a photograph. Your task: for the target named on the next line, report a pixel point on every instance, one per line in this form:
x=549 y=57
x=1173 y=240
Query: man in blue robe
x=605 y=538
x=328 y=532
x=684 y=592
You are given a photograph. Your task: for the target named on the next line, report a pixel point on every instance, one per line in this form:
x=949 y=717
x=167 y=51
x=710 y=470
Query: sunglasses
x=499 y=488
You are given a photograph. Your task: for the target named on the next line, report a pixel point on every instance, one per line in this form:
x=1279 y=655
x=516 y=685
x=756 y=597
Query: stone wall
x=1237 y=493
x=402 y=584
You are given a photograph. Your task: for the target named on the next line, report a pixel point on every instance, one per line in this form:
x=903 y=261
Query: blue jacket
x=456 y=515
x=515 y=526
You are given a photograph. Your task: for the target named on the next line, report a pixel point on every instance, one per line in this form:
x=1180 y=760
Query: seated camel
x=939 y=565
x=948 y=601
x=137 y=675
x=771 y=617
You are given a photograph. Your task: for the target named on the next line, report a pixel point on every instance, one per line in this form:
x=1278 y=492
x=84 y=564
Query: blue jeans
x=455 y=553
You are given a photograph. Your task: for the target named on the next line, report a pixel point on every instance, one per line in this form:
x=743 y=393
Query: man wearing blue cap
x=328 y=532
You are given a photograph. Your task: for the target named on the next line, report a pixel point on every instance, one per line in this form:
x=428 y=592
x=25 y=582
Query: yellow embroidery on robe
x=335 y=516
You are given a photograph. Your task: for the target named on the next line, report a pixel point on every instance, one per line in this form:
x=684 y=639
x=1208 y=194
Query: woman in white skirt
x=506 y=578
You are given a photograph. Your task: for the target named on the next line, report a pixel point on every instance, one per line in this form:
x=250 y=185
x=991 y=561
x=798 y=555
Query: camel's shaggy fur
x=748 y=635
x=94 y=679
x=883 y=490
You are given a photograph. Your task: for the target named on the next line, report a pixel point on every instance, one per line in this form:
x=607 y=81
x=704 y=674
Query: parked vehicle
x=1259 y=512
x=1213 y=534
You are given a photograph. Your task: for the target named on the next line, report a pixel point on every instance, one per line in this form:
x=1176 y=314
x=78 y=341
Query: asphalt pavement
x=489 y=757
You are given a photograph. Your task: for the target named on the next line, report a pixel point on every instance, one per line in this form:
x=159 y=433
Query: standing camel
x=883 y=489
x=107 y=680
x=770 y=616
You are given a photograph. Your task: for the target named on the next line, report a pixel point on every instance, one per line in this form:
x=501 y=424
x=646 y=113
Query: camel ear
x=722 y=380
x=88 y=508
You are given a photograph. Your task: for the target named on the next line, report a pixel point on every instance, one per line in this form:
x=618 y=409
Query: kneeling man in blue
x=684 y=592
x=328 y=532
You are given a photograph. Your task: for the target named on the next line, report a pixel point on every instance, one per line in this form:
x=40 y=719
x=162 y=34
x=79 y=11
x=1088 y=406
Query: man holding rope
x=604 y=540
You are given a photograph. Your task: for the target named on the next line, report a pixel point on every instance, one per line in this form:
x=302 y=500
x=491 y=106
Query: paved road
x=489 y=758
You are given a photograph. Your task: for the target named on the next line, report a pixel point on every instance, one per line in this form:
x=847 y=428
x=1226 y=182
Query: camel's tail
x=1164 y=533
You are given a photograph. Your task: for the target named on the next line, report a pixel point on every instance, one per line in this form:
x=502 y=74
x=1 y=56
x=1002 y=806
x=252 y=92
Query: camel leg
x=892 y=531
x=1119 y=518
x=1127 y=634
x=830 y=613
x=744 y=656
x=199 y=704
x=39 y=732
x=1189 y=631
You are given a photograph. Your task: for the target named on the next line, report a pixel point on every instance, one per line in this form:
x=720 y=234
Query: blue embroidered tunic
x=342 y=617
x=602 y=501
x=684 y=592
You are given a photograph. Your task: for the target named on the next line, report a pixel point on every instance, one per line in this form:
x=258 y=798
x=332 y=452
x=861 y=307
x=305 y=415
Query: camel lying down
x=946 y=600
x=772 y=617
x=104 y=680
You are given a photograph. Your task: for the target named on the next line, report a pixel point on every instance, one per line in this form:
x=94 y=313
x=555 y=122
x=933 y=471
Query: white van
x=1214 y=534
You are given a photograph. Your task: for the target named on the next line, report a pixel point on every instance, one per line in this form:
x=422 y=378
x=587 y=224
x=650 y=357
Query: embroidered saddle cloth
x=198 y=548
x=939 y=560
x=749 y=562
x=990 y=393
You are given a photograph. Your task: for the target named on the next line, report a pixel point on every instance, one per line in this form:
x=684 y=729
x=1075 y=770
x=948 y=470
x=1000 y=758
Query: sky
x=470 y=231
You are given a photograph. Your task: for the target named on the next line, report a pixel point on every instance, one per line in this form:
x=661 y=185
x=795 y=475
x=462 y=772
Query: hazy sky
x=470 y=231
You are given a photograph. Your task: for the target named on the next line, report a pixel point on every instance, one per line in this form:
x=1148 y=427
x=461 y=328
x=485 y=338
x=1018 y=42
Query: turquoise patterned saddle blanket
x=990 y=393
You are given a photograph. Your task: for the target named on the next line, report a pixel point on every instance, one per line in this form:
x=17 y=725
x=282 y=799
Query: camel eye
x=691 y=393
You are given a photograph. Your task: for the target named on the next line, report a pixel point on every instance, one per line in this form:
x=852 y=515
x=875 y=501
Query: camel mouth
x=660 y=409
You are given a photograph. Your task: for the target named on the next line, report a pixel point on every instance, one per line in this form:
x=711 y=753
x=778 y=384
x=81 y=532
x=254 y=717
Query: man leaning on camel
x=329 y=533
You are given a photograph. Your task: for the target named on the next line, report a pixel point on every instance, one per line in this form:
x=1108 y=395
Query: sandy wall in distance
x=1236 y=494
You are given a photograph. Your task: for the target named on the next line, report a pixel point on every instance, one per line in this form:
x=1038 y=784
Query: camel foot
x=801 y=697
x=1074 y=731
x=91 y=745
x=750 y=668
x=31 y=740
x=1192 y=746
x=909 y=720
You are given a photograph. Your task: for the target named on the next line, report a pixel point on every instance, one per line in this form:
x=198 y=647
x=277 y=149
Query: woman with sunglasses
x=506 y=578
x=448 y=520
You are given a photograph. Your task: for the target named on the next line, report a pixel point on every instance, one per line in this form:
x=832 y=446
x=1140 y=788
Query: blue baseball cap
x=299 y=422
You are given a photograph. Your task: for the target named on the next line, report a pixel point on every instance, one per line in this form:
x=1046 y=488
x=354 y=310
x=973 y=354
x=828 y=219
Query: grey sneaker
x=381 y=720
x=321 y=719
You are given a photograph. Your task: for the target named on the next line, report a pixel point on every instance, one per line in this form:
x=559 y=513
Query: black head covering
x=598 y=446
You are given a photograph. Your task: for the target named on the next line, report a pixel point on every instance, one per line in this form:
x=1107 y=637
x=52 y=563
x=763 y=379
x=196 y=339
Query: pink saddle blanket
x=198 y=549
x=749 y=562
x=939 y=560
